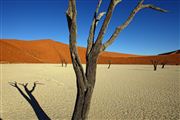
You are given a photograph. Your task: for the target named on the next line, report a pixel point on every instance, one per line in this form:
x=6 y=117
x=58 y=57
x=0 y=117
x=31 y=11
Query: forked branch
x=139 y=7
x=96 y=19
x=107 y=19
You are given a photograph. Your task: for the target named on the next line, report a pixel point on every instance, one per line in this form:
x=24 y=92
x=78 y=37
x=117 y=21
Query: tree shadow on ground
x=28 y=96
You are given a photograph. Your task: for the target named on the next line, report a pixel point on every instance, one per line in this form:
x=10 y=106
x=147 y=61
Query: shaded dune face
x=49 y=51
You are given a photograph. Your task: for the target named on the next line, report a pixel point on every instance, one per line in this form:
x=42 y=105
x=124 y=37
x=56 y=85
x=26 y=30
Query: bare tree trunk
x=155 y=67
x=65 y=62
x=164 y=63
x=155 y=63
x=109 y=64
x=163 y=66
x=62 y=63
x=83 y=99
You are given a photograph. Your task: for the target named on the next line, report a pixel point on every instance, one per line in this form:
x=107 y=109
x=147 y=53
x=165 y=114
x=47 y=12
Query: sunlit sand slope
x=49 y=51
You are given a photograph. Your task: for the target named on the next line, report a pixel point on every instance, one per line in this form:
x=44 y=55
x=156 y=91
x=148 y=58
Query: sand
x=49 y=51
x=123 y=92
x=45 y=51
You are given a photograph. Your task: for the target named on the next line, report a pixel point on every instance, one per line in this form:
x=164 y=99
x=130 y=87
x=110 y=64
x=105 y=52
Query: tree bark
x=83 y=98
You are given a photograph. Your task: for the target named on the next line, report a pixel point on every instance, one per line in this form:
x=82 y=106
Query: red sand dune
x=49 y=51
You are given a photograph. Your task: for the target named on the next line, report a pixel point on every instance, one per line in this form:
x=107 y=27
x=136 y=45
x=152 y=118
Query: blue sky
x=151 y=32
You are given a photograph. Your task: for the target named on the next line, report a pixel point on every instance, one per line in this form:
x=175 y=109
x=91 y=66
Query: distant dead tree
x=86 y=79
x=164 y=63
x=28 y=96
x=109 y=62
x=61 y=60
x=155 y=63
x=62 y=63
x=65 y=62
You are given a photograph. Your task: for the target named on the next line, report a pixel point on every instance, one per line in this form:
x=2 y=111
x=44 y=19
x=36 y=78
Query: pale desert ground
x=123 y=92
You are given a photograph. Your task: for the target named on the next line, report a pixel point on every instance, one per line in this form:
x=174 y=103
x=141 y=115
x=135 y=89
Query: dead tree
x=164 y=63
x=59 y=55
x=155 y=63
x=86 y=79
x=109 y=62
x=28 y=96
x=65 y=63
x=62 y=63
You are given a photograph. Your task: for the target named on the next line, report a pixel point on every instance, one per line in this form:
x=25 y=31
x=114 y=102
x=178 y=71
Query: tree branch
x=126 y=23
x=111 y=8
x=100 y=15
x=154 y=8
x=93 y=27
